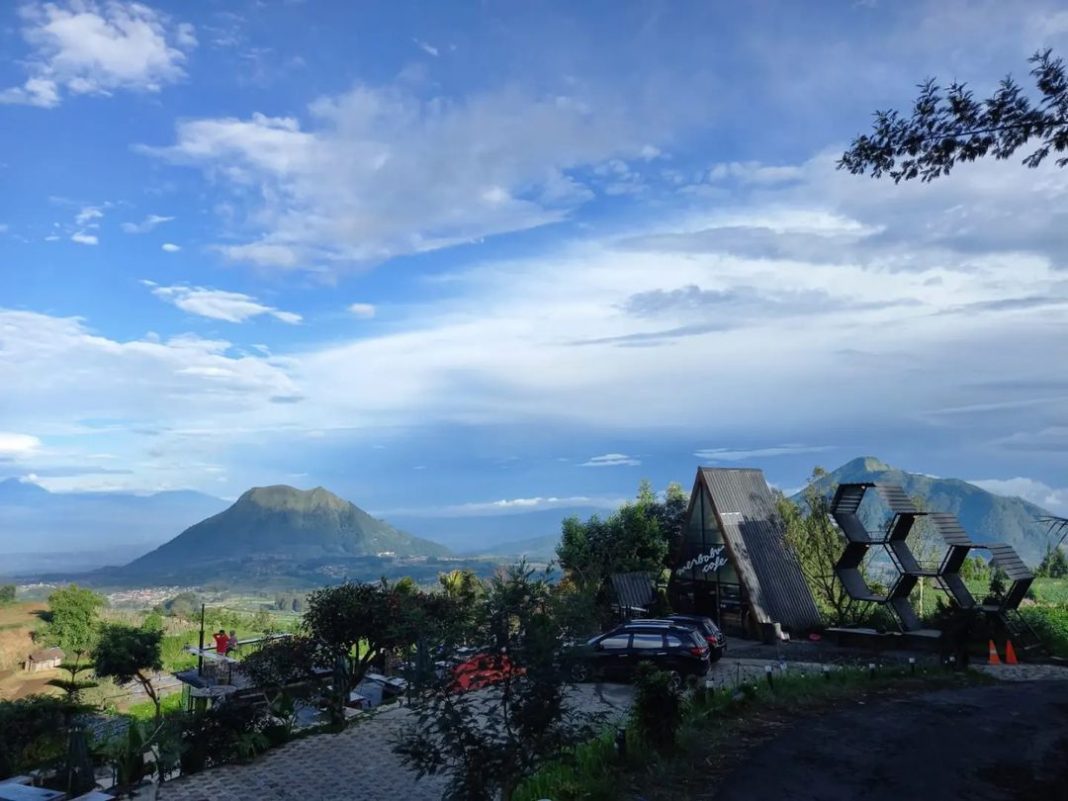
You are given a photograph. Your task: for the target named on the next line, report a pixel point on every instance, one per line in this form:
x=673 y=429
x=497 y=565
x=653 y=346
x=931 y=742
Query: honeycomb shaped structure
x=894 y=538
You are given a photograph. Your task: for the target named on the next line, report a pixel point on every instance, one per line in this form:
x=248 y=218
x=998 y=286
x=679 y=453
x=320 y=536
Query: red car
x=483 y=670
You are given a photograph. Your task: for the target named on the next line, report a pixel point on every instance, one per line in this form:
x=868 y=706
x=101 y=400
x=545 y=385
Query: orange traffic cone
x=994 y=658
x=1010 y=654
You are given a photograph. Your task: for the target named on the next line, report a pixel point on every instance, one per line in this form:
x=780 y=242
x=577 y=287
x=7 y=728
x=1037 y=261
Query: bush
x=1051 y=625
x=228 y=732
x=657 y=709
x=31 y=733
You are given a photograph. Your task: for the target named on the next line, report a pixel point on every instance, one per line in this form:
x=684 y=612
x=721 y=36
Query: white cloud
x=378 y=172
x=732 y=455
x=1052 y=499
x=86 y=47
x=217 y=304
x=146 y=225
x=362 y=310
x=170 y=247
x=612 y=460
x=426 y=47
x=17 y=444
x=83 y=238
x=86 y=216
x=507 y=506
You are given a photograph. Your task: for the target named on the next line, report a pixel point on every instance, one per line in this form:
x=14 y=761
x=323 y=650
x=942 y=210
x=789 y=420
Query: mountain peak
x=871 y=464
x=283 y=496
x=20 y=488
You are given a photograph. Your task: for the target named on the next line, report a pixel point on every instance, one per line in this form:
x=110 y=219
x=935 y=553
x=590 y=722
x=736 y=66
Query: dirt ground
x=985 y=743
x=17 y=622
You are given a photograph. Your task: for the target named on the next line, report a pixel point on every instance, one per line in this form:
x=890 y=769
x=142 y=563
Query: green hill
x=281 y=525
x=988 y=518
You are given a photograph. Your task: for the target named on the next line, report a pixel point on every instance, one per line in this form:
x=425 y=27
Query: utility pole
x=200 y=651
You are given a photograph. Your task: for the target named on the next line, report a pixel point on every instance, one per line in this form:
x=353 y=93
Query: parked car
x=482 y=670
x=615 y=655
x=717 y=643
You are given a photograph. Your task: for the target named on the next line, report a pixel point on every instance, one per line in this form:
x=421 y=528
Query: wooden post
x=200 y=652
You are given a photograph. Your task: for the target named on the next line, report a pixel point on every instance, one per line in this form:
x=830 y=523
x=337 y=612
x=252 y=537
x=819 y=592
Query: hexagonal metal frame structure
x=844 y=509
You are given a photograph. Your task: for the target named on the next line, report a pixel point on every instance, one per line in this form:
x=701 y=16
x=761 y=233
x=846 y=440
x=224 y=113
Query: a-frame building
x=734 y=564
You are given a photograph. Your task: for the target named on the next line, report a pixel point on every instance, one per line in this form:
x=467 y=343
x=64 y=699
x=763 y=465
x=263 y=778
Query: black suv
x=675 y=648
x=704 y=626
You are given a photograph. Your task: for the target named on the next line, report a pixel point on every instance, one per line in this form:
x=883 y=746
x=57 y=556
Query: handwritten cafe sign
x=708 y=562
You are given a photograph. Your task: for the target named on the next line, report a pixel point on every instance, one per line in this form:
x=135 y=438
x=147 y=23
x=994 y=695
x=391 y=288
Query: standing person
x=221 y=641
x=231 y=641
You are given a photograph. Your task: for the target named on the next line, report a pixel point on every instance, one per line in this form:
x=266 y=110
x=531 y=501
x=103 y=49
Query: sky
x=475 y=258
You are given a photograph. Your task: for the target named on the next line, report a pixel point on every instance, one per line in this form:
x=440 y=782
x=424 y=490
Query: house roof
x=47 y=654
x=766 y=565
x=634 y=590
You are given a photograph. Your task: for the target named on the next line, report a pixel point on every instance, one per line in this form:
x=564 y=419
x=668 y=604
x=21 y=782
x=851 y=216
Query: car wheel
x=675 y=680
x=715 y=655
x=580 y=672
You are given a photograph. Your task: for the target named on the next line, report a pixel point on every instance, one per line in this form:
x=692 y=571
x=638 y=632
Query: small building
x=734 y=564
x=45 y=659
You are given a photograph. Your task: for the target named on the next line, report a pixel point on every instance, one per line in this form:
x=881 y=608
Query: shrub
x=31 y=733
x=228 y=732
x=657 y=707
x=1051 y=625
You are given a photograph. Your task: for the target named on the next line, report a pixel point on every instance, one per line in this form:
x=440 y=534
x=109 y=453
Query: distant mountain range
x=284 y=536
x=988 y=518
x=42 y=530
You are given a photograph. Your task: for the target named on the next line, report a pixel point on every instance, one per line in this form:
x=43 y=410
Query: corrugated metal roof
x=765 y=563
x=634 y=590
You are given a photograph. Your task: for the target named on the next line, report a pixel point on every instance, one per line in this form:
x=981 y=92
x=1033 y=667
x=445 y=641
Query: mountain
x=277 y=530
x=988 y=518
x=42 y=530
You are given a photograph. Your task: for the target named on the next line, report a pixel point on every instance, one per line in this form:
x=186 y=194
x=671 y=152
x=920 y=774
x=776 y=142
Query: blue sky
x=463 y=258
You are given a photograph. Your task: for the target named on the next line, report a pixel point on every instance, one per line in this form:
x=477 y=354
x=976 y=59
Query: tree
x=356 y=623
x=946 y=128
x=126 y=653
x=279 y=665
x=810 y=531
x=74 y=614
x=487 y=741
x=463 y=590
x=185 y=605
x=1054 y=564
x=630 y=539
x=7 y=594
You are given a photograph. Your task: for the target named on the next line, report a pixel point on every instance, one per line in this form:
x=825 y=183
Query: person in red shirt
x=221 y=641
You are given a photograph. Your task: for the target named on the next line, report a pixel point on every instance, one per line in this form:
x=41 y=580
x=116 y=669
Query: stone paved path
x=1026 y=672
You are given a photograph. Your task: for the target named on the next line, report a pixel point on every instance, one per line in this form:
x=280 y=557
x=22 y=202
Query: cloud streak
x=218 y=304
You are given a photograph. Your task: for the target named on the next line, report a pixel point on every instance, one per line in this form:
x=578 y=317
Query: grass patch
x=1050 y=591
x=146 y=710
x=717 y=727
x=1051 y=625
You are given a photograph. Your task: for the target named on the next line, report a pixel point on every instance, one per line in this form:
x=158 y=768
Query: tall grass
x=1051 y=625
